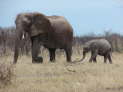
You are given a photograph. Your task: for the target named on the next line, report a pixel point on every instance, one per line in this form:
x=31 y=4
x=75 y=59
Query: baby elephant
x=98 y=47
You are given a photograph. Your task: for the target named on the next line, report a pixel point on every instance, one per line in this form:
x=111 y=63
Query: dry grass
x=64 y=77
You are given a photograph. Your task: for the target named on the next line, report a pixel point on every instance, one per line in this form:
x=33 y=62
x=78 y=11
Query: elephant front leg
x=93 y=56
x=90 y=60
x=52 y=54
x=105 y=58
x=35 y=51
x=95 y=60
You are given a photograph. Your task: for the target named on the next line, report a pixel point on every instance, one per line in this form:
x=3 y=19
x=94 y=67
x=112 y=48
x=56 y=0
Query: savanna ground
x=66 y=77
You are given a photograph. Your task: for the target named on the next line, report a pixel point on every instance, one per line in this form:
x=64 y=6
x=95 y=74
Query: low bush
x=6 y=73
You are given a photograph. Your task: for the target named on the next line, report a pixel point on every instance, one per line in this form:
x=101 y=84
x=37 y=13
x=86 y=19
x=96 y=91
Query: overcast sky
x=86 y=16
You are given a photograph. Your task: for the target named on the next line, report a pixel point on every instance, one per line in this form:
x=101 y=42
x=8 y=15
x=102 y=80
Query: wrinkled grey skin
x=98 y=47
x=52 y=32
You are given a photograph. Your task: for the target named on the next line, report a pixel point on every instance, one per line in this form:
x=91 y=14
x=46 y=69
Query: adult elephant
x=98 y=47
x=50 y=31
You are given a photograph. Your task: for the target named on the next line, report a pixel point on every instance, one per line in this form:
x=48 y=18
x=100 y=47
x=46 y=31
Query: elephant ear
x=40 y=24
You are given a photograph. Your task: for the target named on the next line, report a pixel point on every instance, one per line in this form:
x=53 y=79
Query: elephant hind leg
x=52 y=54
x=109 y=58
x=68 y=52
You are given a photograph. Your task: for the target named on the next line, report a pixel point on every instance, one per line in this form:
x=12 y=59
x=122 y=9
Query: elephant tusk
x=23 y=36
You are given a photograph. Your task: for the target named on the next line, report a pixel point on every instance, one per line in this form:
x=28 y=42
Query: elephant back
x=98 y=44
x=60 y=23
x=104 y=43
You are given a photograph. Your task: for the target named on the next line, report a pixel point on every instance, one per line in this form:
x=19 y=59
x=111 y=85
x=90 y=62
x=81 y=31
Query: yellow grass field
x=65 y=77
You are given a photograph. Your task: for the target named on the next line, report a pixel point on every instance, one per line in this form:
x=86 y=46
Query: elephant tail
x=111 y=50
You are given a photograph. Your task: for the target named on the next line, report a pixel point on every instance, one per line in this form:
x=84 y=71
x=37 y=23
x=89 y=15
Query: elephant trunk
x=19 y=34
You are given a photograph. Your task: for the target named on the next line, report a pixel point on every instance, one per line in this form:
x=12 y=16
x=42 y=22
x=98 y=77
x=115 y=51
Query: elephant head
x=31 y=23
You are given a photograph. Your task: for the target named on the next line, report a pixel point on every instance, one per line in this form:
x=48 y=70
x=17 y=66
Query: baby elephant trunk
x=84 y=54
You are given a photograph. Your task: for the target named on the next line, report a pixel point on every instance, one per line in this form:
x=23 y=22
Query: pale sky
x=85 y=16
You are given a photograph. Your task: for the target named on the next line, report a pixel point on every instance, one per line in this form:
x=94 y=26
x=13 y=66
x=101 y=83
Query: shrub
x=6 y=73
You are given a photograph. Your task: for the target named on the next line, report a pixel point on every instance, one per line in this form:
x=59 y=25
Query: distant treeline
x=7 y=41
x=115 y=39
